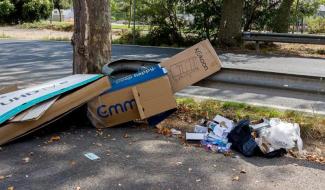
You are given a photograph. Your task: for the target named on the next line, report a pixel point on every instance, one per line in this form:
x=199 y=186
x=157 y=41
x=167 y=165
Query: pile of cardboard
x=147 y=94
x=24 y=111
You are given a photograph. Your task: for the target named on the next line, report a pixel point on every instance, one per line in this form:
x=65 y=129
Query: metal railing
x=283 y=37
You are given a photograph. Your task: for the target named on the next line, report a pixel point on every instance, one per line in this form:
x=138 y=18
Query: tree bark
x=230 y=24
x=91 y=39
x=281 y=20
x=60 y=19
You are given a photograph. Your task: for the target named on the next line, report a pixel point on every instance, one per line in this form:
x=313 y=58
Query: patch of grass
x=288 y=49
x=51 y=38
x=58 y=26
x=4 y=36
x=68 y=26
x=125 y=27
x=312 y=126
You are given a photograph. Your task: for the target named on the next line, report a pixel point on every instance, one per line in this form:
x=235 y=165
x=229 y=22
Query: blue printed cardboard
x=150 y=73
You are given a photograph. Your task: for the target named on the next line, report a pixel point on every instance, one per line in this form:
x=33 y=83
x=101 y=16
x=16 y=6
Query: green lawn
x=68 y=26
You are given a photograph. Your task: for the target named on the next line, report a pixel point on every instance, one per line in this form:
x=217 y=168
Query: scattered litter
x=200 y=129
x=189 y=169
x=179 y=163
x=175 y=131
x=198 y=180
x=10 y=188
x=269 y=138
x=91 y=156
x=194 y=136
x=235 y=178
x=26 y=159
x=279 y=134
x=126 y=135
x=243 y=171
x=2 y=177
x=216 y=140
x=78 y=188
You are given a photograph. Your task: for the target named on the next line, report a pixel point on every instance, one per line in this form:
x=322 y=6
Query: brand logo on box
x=109 y=110
x=198 y=53
x=27 y=94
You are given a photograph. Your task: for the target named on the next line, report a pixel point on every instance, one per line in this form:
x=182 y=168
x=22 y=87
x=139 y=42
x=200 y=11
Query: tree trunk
x=281 y=20
x=91 y=39
x=60 y=15
x=230 y=25
x=130 y=14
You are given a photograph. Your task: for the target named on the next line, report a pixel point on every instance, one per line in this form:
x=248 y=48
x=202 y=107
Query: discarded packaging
x=200 y=129
x=279 y=134
x=91 y=156
x=175 y=131
x=74 y=91
x=149 y=94
x=216 y=140
x=150 y=91
x=192 y=65
x=194 y=136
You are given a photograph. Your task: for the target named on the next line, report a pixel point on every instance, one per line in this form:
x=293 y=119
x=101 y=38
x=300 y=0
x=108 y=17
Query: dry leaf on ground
x=54 y=138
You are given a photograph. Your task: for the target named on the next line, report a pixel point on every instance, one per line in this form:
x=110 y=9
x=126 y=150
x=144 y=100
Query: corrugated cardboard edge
x=34 y=112
x=137 y=100
x=12 y=130
x=8 y=88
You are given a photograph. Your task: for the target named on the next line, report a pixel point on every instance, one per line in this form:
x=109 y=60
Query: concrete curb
x=269 y=79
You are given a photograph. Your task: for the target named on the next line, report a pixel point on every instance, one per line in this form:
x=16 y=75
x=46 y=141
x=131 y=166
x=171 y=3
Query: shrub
x=6 y=8
x=35 y=10
x=316 y=25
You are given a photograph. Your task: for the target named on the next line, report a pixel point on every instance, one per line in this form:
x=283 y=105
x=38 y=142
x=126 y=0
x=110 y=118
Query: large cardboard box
x=67 y=101
x=192 y=65
x=148 y=93
x=139 y=101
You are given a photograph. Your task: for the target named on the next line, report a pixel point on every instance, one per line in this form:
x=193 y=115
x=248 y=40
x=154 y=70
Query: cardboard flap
x=154 y=97
x=192 y=65
x=34 y=112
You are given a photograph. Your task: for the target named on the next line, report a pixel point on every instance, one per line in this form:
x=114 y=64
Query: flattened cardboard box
x=135 y=102
x=15 y=102
x=192 y=65
x=64 y=104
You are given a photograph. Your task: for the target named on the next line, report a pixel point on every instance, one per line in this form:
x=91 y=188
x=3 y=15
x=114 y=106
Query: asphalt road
x=144 y=160
x=31 y=62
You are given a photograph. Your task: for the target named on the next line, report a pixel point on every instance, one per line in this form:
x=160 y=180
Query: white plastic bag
x=281 y=134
